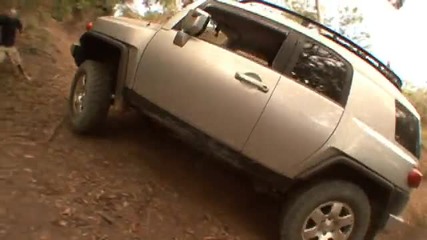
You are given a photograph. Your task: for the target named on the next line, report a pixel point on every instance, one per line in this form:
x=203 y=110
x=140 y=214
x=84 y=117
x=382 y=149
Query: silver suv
x=304 y=111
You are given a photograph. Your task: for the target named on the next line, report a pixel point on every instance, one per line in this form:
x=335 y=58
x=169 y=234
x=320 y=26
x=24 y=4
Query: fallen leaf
x=67 y=212
x=62 y=223
x=106 y=217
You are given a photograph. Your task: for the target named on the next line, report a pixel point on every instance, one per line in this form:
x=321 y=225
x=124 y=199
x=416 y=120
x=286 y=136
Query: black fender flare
x=394 y=201
x=120 y=79
x=348 y=162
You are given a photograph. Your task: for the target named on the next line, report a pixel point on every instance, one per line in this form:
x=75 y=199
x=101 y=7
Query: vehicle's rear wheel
x=330 y=210
x=90 y=97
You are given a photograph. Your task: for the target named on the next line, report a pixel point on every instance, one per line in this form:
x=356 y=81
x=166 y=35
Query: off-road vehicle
x=302 y=109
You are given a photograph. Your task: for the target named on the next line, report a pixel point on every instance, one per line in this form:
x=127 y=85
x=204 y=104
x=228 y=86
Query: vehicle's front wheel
x=330 y=210
x=90 y=97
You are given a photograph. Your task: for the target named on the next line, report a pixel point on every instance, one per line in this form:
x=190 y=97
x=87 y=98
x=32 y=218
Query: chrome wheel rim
x=329 y=221
x=79 y=94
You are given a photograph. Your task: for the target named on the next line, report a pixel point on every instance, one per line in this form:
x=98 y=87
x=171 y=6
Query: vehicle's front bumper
x=73 y=48
x=77 y=53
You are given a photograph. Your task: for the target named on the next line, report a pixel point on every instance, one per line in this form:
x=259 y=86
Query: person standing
x=10 y=24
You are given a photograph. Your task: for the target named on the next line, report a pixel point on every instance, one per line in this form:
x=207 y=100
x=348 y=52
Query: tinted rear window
x=407 y=130
x=324 y=71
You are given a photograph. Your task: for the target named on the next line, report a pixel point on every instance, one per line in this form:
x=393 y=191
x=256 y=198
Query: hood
x=126 y=22
x=133 y=32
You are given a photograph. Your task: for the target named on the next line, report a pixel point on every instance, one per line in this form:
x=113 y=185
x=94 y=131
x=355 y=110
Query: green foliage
x=80 y=9
x=59 y=9
x=303 y=7
x=349 y=24
x=348 y=20
x=26 y=4
x=167 y=4
x=63 y=8
x=418 y=97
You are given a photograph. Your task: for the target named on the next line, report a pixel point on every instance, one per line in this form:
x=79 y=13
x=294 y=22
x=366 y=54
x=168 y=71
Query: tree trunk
x=319 y=12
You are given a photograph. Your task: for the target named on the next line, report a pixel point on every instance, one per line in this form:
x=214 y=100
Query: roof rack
x=341 y=40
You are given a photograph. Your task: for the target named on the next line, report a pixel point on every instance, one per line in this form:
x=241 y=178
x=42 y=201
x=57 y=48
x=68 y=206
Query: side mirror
x=193 y=24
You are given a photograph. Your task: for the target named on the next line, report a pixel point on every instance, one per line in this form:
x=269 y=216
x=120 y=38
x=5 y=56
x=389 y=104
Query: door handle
x=252 y=79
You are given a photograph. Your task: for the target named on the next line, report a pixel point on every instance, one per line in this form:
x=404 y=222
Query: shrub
x=418 y=97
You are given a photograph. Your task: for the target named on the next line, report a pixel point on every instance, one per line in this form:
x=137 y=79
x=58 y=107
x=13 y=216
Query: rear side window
x=324 y=71
x=407 y=130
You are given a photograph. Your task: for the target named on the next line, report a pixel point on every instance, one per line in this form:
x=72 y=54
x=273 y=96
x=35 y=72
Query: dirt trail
x=135 y=182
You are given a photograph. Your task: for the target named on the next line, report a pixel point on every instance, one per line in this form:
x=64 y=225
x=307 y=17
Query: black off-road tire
x=301 y=204
x=97 y=99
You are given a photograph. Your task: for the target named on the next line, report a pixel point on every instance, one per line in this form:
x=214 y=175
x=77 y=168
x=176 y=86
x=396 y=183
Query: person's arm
x=19 y=25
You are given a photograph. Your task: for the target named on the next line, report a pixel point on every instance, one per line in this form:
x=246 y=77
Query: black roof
x=343 y=41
